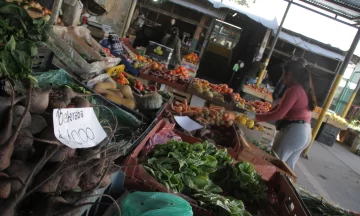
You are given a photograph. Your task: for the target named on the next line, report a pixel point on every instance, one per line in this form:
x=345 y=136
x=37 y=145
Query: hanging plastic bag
x=155 y=204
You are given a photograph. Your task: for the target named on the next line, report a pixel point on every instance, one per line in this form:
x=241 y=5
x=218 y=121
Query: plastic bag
x=154 y=204
x=161 y=137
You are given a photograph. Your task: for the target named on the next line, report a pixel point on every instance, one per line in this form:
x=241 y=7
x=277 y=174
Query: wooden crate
x=179 y=95
x=257 y=94
x=284 y=198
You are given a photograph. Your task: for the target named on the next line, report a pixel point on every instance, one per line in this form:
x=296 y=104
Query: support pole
x=55 y=11
x=262 y=73
x=334 y=87
x=349 y=103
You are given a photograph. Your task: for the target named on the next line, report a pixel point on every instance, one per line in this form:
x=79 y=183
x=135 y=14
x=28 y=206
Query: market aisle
x=332 y=172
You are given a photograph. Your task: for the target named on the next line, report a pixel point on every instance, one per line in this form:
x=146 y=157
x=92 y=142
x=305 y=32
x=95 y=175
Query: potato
x=126 y=102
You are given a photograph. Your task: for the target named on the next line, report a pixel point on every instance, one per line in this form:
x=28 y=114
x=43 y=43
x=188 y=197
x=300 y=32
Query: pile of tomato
x=260 y=107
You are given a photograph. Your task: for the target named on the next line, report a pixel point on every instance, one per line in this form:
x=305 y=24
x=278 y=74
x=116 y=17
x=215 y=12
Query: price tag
x=77 y=127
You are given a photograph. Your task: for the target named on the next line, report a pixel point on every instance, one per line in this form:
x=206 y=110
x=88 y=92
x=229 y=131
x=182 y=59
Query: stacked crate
x=327 y=134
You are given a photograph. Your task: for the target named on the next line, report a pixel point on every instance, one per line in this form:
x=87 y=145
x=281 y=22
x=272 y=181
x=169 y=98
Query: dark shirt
x=279 y=90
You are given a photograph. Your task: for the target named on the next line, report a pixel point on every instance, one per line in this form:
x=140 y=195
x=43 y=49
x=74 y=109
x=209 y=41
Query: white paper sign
x=187 y=123
x=77 y=127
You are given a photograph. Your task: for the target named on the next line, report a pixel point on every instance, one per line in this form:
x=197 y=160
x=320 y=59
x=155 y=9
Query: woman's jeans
x=291 y=141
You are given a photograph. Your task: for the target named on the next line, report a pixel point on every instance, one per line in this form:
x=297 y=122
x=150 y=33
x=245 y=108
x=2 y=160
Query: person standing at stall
x=293 y=113
x=280 y=87
x=173 y=41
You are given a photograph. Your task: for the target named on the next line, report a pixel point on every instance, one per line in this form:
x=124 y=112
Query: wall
x=119 y=11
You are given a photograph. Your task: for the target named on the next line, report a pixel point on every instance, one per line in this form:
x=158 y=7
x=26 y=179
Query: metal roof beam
x=330 y=17
x=308 y=63
x=328 y=9
x=345 y=5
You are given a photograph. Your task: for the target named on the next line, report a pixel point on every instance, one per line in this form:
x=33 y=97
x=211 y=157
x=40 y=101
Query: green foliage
x=186 y=168
x=19 y=34
x=242 y=181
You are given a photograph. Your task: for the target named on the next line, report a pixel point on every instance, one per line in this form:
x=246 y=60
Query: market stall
x=102 y=123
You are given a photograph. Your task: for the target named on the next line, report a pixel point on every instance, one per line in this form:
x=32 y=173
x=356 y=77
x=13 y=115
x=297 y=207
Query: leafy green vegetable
x=222 y=205
x=242 y=181
x=186 y=168
x=19 y=34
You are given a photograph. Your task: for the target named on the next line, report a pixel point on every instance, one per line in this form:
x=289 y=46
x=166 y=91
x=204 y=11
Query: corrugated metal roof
x=268 y=23
x=203 y=7
x=349 y=9
x=297 y=41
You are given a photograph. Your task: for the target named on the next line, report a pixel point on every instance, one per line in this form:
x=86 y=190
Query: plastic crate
x=328 y=134
x=42 y=61
x=327 y=140
x=284 y=198
x=330 y=129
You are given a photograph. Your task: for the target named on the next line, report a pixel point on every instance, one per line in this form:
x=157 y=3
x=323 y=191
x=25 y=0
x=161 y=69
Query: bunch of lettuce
x=186 y=168
x=242 y=182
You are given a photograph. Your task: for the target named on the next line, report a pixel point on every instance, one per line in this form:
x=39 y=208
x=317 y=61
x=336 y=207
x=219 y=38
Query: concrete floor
x=332 y=172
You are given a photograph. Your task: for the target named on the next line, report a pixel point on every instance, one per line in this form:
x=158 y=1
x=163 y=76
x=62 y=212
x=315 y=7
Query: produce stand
x=279 y=188
x=191 y=67
x=80 y=57
x=227 y=103
x=177 y=86
x=267 y=97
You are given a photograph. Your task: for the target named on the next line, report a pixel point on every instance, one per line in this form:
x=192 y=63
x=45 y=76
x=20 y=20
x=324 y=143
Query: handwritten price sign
x=78 y=127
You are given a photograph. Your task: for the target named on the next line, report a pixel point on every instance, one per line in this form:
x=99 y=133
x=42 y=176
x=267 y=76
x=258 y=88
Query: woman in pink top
x=293 y=113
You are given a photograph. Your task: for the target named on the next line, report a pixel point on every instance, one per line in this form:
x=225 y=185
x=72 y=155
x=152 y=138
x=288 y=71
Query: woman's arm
x=286 y=103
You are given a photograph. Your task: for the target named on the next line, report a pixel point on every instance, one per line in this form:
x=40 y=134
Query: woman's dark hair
x=174 y=33
x=300 y=73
